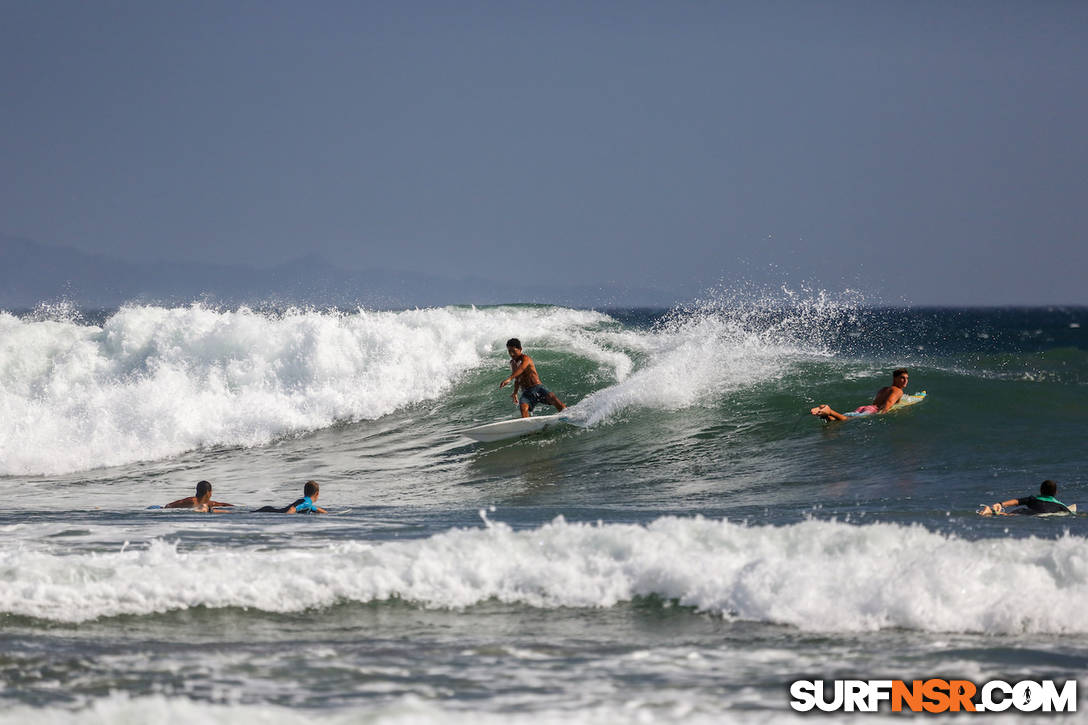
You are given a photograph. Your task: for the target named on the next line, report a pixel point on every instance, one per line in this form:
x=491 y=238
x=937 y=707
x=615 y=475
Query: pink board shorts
x=866 y=410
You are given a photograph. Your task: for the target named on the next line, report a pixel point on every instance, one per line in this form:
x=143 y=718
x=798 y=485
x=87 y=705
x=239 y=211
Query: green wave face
x=706 y=404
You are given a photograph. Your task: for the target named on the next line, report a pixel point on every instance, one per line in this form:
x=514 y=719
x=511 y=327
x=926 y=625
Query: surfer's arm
x=292 y=510
x=220 y=504
x=998 y=509
x=526 y=361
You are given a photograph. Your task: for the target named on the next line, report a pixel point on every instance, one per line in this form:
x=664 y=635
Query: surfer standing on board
x=527 y=381
x=882 y=403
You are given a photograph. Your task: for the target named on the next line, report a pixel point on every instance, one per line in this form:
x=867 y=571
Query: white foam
x=718 y=347
x=815 y=575
x=153 y=382
x=662 y=706
x=407 y=710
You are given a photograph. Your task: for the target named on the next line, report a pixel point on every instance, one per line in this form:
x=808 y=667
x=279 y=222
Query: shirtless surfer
x=202 y=501
x=527 y=380
x=882 y=403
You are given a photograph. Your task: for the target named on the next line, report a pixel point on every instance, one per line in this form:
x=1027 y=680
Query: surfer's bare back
x=885 y=398
x=527 y=380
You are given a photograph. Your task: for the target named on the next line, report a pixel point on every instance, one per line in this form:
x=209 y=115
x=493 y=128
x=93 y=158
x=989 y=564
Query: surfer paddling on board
x=202 y=501
x=1044 y=503
x=304 y=505
x=882 y=403
x=527 y=380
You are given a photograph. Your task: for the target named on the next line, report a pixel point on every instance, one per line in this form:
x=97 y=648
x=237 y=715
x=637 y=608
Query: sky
x=919 y=152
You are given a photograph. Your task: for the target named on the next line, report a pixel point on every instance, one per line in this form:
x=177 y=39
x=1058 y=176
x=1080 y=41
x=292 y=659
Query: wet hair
x=202 y=488
x=514 y=342
x=310 y=488
x=900 y=371
x=1048 y=488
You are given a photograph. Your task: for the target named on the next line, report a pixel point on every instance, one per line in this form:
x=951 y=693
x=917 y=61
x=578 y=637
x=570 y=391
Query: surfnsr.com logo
x=933 y=695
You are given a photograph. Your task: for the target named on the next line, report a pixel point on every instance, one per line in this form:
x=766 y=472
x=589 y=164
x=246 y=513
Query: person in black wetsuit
x=1044 y=503
x=304 y=505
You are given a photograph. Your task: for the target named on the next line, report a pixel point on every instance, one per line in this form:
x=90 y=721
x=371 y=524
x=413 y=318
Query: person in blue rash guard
x=1044 y=503
x=304 y=505
x=310 y=492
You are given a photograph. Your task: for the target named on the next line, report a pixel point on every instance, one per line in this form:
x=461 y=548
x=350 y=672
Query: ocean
x=693 y=544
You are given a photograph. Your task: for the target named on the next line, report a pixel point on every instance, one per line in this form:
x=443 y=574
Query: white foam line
x=814 y=575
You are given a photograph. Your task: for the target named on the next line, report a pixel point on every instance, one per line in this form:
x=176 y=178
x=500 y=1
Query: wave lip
x=814 y=575
x=151 y=382
x=728 y=342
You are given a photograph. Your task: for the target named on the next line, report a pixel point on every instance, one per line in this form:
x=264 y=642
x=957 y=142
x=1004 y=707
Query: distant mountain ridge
x=32 y=273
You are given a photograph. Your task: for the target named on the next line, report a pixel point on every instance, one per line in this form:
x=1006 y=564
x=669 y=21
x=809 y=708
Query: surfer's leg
x=524 y=410
x=555 y=402
x=825 y=412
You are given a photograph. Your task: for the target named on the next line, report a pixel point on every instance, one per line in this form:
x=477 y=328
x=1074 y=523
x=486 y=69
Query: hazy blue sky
x=927 y=151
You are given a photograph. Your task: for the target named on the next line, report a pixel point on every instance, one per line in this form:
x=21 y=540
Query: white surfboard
x=904 y=401
x=513 y=428
x=1072 y=511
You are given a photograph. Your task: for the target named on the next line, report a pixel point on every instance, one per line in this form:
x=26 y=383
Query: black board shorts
x=533 y=396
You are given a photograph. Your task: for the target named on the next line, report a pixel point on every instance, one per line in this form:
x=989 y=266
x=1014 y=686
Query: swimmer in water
x=885 y=398
x=1044 y=503
x=202 y=501
x=304 y=505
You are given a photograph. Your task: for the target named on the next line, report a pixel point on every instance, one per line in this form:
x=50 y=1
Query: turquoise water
x=694 y=544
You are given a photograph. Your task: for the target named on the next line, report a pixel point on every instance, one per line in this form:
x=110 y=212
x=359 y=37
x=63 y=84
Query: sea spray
x=730 y=340
x=149 y=383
